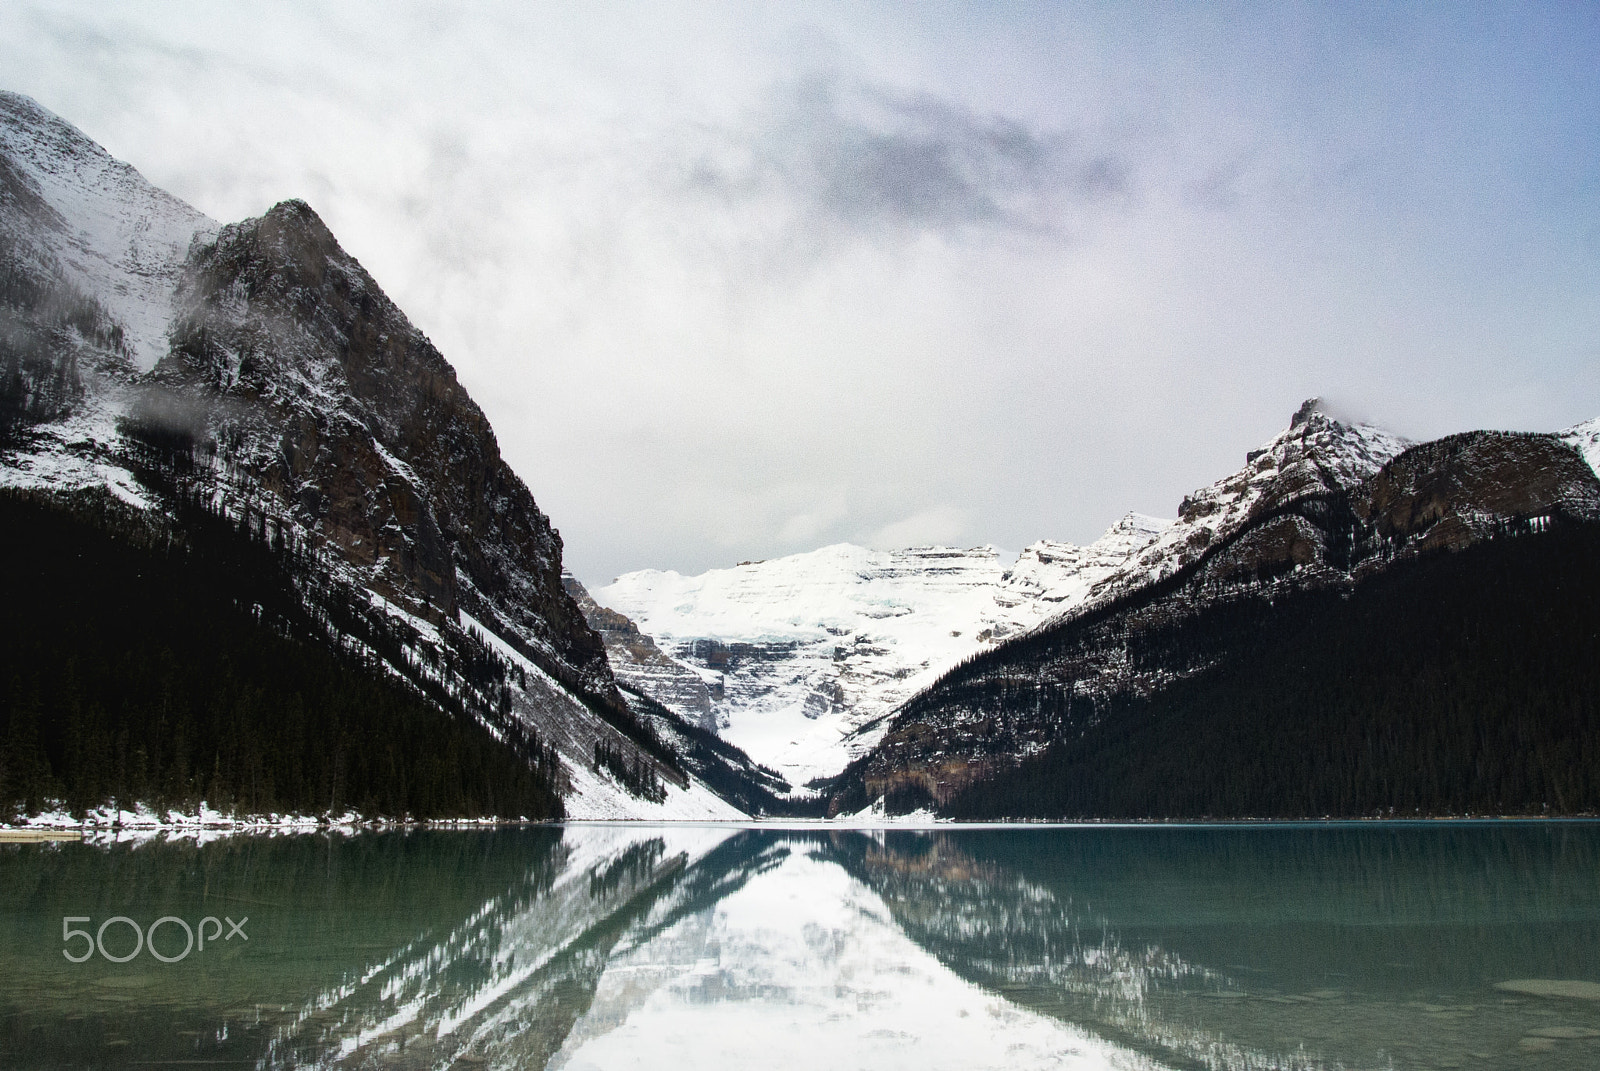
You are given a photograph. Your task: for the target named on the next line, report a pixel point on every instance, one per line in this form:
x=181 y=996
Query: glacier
x=805 y=655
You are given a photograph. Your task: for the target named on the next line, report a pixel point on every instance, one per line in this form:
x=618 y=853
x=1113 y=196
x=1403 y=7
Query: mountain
x=1263 y=655
x=168 y=380
x=1315 y=457
x=263 y=549
x=1585 y=438
x=642 y=666
x=801 y=657
x=805 y=657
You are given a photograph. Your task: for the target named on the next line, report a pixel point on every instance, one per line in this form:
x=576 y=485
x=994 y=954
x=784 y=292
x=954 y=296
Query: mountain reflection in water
x=1328 y=946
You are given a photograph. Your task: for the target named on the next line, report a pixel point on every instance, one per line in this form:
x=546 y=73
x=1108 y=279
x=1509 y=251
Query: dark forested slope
x=1296 y=644
x=1460 y=682
x=168 y=664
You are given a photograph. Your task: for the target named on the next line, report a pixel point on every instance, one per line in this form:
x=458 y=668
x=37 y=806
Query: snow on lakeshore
x=112 y=825
x=806 y=951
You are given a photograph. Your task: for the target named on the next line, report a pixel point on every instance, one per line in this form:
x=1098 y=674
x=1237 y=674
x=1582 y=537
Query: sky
x=733 y=281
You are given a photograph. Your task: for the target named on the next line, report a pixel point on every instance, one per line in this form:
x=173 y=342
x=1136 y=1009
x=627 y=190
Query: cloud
x=806 y=527
x=942 y=524
x=866 y=158
x=724 y=296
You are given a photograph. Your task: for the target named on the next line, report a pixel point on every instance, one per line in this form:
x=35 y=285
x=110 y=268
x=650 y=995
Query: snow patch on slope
x=595 y=797
x=1061 y=576
x=562 y=721
x=77 y=452
x=124 y=240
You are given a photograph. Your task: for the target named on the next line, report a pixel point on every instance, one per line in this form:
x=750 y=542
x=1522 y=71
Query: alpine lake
x=1374 y=945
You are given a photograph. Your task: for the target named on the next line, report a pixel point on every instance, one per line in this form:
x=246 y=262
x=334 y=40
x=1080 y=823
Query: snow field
x=838 y=637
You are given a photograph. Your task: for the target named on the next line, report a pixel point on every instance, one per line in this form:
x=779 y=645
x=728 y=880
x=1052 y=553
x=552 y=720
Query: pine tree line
x=465 y=676
x=638 y=776
x=170 y=665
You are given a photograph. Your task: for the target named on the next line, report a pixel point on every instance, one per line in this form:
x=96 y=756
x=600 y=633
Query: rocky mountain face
x=253 y=378
x=674 y=701
x=642 y=666
x=1050 y=578
x=1324 y=506
x=256 y=371
x=291 y=369
x=1453 y=492
x=90 y=257
x=1314 y=459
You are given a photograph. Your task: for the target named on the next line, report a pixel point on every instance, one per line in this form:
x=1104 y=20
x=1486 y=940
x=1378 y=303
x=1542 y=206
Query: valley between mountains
x=267 y=565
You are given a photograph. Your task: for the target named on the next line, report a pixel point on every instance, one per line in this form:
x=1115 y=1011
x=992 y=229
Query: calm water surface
x=1392 y=946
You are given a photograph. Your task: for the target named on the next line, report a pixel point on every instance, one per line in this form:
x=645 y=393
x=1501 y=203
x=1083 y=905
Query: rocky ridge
x=642 y=666
x=1317 y=455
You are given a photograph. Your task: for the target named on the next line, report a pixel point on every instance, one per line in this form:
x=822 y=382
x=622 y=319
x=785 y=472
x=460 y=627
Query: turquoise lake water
x=1348 y=946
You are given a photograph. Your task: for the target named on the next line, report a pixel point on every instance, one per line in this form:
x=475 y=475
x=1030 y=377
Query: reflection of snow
x=478 y=984
x=804 y=967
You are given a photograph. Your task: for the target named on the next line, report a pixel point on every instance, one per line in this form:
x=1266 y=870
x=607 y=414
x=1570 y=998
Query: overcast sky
x=734 y=281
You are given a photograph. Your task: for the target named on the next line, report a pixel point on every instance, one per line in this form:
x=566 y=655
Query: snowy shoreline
x=110 y=825
x=106 y=826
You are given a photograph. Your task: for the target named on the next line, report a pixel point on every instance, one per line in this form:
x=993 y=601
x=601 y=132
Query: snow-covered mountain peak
x=1060 y=576
x=1585 y=438
x=1134 y=525
x=257 y=372
x=1317 y=453
x=1345 y=451
x=114 y=235
x=799 y=597
x=801 y=652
